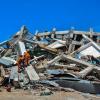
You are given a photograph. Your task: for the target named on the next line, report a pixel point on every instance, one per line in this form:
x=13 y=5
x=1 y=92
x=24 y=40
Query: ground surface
x=27 y=95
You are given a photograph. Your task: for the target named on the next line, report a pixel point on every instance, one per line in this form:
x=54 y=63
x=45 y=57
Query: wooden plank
x=54 y=60
x=85 y=72
x=77 y=61
x=42 y=46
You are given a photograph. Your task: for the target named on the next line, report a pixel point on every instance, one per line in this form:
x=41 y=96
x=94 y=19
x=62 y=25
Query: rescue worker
x=20 y=63
x=26 y=58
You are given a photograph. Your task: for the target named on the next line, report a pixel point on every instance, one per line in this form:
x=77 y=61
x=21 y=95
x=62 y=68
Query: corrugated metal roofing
x=6 y=61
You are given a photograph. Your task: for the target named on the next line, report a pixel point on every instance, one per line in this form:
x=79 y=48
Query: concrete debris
x=56 y=60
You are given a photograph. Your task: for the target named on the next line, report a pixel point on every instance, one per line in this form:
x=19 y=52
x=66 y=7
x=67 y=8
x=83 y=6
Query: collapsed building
x=62 y=59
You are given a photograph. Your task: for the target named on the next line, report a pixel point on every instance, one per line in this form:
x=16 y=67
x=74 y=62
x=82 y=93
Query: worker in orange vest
x=20 y=62
x=26 y=58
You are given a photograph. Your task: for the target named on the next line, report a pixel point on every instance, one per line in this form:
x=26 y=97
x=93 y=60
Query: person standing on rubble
x=26 y=58
x=23 y=60
x=20 y=63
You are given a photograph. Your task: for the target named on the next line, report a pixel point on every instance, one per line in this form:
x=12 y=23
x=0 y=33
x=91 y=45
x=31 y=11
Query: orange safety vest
x=26 y=58
x=20 y=61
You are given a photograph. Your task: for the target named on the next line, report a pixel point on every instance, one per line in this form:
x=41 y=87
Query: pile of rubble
x=49 y=61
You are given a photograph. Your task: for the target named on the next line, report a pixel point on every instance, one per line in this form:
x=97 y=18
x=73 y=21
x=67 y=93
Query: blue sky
x=43 y=15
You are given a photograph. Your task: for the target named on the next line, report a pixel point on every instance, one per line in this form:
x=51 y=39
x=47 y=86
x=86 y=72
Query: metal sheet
x=57 y=44
x=22 y=47
x=32 y=73
x=90 y=51
x=55 y=72
x=7 y=61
